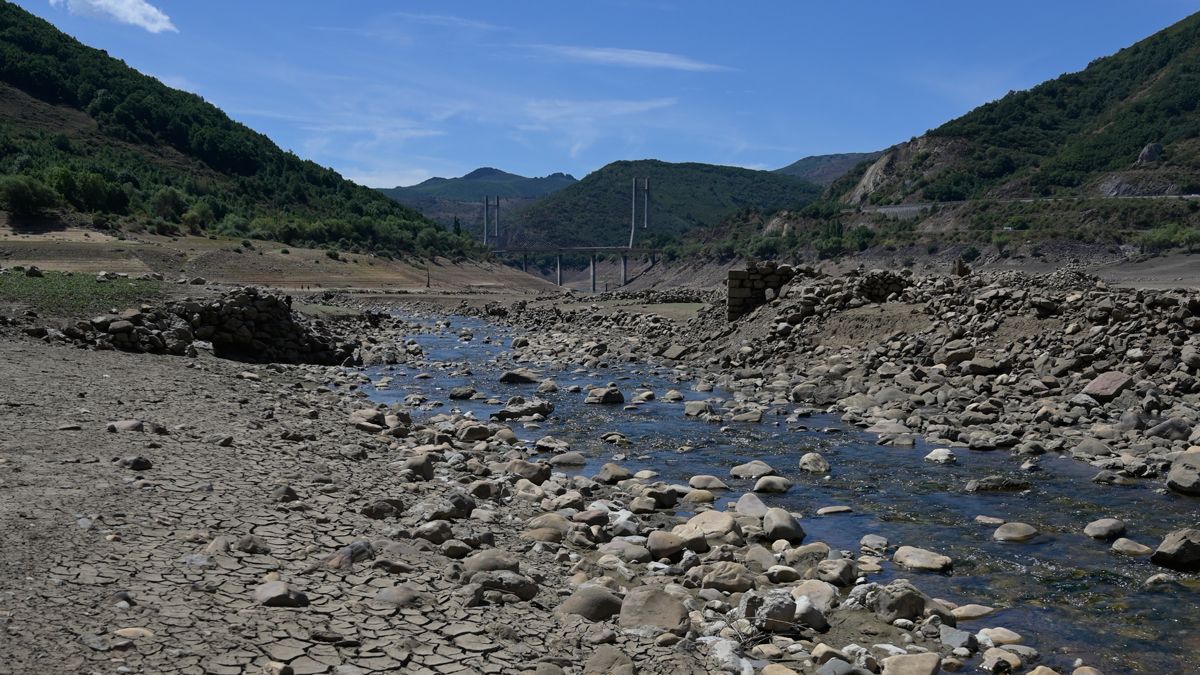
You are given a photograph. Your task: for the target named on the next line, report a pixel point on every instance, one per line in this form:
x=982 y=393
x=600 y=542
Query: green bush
x=24 y=195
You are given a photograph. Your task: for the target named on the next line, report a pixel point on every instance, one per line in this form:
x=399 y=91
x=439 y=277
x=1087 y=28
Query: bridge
x=591 y=251
x=493 y=217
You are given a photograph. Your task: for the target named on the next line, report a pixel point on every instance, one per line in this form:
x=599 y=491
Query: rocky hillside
x=81 y=132
x=824 y=169
x=1124 y=126
x=596 y=210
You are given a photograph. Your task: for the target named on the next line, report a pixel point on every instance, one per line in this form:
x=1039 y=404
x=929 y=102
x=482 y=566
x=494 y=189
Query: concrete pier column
x=558 y=269
x=624 y=269
x=592 y=271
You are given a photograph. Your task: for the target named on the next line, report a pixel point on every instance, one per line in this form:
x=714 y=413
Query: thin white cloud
x=548 y=110
x=446 y=21
x=629 y=58
x=133 y=12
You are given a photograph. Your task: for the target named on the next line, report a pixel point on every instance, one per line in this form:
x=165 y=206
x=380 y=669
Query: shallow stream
x=1067 y=594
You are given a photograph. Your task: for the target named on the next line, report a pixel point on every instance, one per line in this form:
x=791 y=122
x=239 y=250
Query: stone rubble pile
x=245 y=324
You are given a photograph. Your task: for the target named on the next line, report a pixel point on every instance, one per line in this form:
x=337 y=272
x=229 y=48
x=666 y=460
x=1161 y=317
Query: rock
x=592 y=602
x=1173 y=429
x=490 y=560
x=1131 y=548
x=1108 y=386
x=1015 y=532
x=971 y=611
x=570 y=458
x=839 y=572
x=997 y=484
x=751 y=505
x=921 y=559
x=772 y=485
x=1179 y=550
x=773 y=612
x=822 y=594
x=813 y=462
x=941 y=456
x=506 y=582
x=715 y=526
x=1000 y=636
x=605 y=395
x=652 y=606
x=728 y=576
x=611 y=474
x=608 y=660
x=1184 y=476
x=135 y=463
x=779 y=524
x=664 y=544
x=279 y=594
x=461 y=393
x=751 y=469
x=697 y=408
x=1105 y=528
x=706 y=482
x=899 y=600
x=519 y=376
x=913 y=664
x=997 y=660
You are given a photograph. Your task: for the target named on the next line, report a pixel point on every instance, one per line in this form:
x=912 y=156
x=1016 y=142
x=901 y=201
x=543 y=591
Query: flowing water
x=1069 y=595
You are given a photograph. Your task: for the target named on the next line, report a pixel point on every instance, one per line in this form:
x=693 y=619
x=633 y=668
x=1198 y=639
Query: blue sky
x=392 y=93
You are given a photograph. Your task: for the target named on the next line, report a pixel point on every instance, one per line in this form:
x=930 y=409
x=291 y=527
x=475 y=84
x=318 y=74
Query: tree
x=24 y=195
x=457 y=227
x=168 y=204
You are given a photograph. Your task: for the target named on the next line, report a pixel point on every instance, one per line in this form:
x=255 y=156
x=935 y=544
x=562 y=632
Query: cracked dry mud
x=107 y=569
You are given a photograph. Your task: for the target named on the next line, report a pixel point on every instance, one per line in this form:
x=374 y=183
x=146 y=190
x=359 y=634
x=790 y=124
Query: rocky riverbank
x=173 y=514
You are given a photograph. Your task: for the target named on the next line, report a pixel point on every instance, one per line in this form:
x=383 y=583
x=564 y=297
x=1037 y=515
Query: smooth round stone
x=1015 y=532
x=921 y=559
x=707 y=482
x=772 y=484
x=699 y=497
x=969 y=612
x=941 y=456
x=989 y=520
x=831 y=510
x=1105 y=528
x=1131 y=548
x=1001 y=636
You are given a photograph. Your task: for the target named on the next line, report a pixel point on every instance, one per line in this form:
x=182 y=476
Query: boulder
x=592 y=602
x=1184 y=476
x=813 y=462
x=929 y=663
x=1108 y=386
x=279 y=594
x=779 y=524
x=751 y=469
x=1179 y=550
x=921 y=559
x=1105 y=528
x=519 y=376
x=652 y=606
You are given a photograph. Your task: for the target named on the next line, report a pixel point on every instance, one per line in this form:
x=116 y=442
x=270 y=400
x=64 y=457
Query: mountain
x=448 y=199
x=486 y=181
x=1127 y=125
x=596 y=210
x=82 y=131
x=824 y=169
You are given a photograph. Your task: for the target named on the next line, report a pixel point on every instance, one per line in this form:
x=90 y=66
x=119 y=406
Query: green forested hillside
x=80 y=130
x=1080 y=134
x=480 y=183
x=596 y=210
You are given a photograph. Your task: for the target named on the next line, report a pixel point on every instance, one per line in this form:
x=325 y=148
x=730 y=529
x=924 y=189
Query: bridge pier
x=592 y=271
x=558 y=269
x=624 y=269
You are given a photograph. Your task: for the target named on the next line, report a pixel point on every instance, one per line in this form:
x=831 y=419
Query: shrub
x=24 y=195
